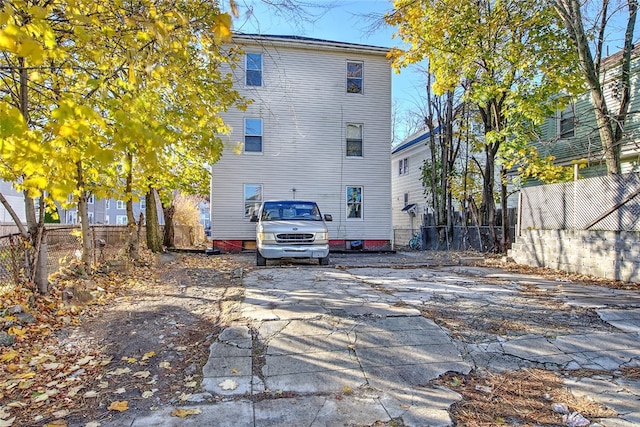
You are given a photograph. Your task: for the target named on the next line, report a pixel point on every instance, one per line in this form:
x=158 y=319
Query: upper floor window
x=254 y=69
x=253 y=135
x=252 y=199
x=354 y=77
x=567 y=123
x=403 y=166
x=120 y=205
x=143 y=203
x=354 y=140
x=107 y=204
x=91 y=200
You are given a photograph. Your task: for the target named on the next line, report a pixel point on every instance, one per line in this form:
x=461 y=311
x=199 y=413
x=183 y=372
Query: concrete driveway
x=353 y=343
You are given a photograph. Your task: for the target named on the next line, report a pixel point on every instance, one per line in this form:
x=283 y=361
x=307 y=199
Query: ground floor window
x=354 y=202
x=121 y=219
x=252 y=199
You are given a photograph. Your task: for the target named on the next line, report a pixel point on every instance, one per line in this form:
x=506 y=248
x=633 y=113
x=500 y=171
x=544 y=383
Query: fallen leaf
x=52 y=366
x=191 y=384
x=92 y=424
x=130 y=359
x=40 y=397
x=142 y=374
x=147 y=394
x=91 y=394
x=234 y=371
x=84 y=360
x=165 y=365
x=61 y=413
x=7 y=423
x=120 y=390
x=119 y=371
x=347 y=390
x=182 y=413
x=103 y=384
x=10 y=355
x=119 y=405
x=184 y=397
x=148 y=355
x=228 y=385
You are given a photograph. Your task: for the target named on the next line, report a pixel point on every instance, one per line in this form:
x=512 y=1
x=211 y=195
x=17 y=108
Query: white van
x=291 y=229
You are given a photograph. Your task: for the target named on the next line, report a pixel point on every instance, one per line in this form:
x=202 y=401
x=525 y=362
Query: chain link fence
x=606 y=203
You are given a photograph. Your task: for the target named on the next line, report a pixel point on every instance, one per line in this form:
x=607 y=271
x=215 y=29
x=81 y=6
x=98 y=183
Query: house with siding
x=319 y=129
x=572 y=134
x=409 y=204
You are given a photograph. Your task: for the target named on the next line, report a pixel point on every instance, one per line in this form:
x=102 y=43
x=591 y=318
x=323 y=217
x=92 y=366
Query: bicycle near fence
x=416 y=241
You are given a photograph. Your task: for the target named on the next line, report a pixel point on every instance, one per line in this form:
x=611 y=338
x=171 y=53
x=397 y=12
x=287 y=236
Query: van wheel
x=324 y=261
x=260 y=260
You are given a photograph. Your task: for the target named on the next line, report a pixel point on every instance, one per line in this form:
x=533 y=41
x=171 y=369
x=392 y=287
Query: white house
x=409 y=203
x=319 y=129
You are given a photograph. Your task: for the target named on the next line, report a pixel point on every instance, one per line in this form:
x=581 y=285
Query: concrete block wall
x=608 y=254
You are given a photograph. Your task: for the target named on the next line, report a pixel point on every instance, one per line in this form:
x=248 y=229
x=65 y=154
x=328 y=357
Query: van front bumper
x=293 y=251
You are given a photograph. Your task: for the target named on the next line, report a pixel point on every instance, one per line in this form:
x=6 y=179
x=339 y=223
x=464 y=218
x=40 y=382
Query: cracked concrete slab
x=351 y=346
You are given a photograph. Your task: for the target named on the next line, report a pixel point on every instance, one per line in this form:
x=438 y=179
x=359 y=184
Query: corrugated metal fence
x=608 y=203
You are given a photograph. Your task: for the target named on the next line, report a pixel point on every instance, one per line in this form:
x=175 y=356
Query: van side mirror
x=328 y=217
x=254 y=218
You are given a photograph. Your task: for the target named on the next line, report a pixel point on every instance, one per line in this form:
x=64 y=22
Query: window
x=254 y=69
x=253 y=135
x=354 y=140
x=107 y=205
x=91 y=200
x=354 y=77
x=403 y=166
x=106 y=219
x=354 y=202
x=120 y=205
x=143 y=203
x=406 y=199
x=72 y=217
x=252 y=199
x=91 y=220
x=567 y=123
x=121 y=219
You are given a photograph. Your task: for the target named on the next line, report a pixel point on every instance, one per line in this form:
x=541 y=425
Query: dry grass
x=522 y=397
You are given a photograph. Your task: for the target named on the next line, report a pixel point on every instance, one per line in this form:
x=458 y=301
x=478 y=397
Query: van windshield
x=278 y=211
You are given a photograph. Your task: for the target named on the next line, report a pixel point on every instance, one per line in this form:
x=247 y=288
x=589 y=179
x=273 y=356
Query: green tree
x=509 y=56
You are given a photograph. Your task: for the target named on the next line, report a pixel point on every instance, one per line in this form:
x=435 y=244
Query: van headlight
x=266 y=237
x=322 y=236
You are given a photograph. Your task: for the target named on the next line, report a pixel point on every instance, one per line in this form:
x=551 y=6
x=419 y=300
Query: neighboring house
x=572 y=135
x=408 y=202
x=103 y=211
x=319 y=129
x=16 y=201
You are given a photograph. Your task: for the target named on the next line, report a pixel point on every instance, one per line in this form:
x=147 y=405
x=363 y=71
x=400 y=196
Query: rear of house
x=318 y=129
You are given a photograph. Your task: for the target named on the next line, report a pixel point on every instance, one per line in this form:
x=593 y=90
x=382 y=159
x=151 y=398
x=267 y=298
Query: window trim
x=246 y=215
x=359 y=201
x=403 y=166
x=120 y=205
x=567 y=116
x=360 y=77
x=261 y=135
x=247 y=69
x=361 y=140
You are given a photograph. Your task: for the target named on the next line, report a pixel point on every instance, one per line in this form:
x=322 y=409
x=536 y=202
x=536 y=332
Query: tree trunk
x=154 y=242
x=610 y=130
x=169 y=229
x=133 y=244
x=83 y=206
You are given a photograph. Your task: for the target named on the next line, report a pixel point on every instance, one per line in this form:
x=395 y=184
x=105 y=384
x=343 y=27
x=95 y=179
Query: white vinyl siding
x=305 y=112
